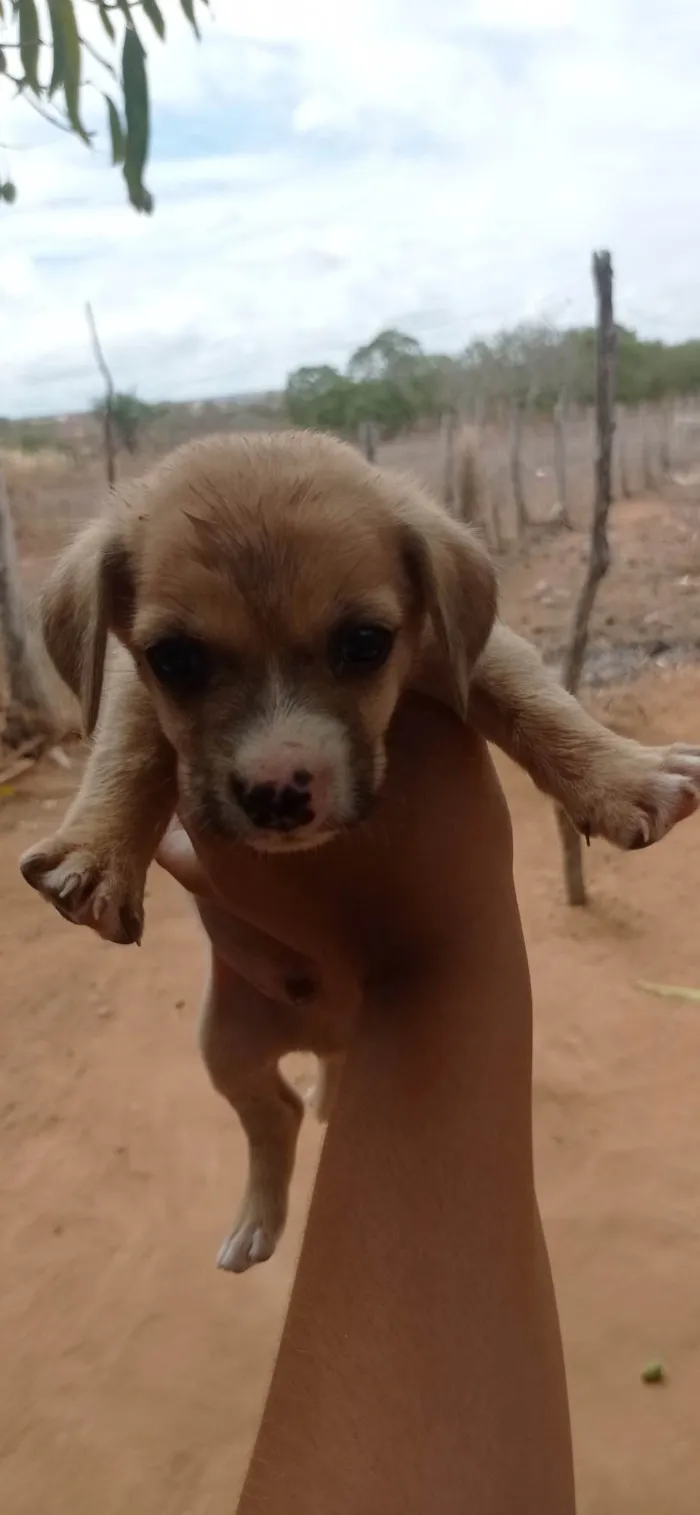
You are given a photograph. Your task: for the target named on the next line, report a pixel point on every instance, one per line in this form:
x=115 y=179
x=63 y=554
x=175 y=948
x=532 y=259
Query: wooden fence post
x=517 y=421
x=560 y=474
x=110 y=447
x=448 y=426
x=368 y=440
x=28 y=717
x=599 y=553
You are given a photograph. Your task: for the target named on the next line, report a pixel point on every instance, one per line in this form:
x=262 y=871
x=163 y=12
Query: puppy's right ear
x=457 y=585
x=89 y=593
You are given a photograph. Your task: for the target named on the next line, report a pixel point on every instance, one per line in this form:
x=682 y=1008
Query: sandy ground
x=136 y=1371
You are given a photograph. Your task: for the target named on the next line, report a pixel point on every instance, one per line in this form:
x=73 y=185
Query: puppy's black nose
x=275 y=807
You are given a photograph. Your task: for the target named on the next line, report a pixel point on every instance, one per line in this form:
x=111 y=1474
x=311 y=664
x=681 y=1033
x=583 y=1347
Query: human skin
x=420 y=1367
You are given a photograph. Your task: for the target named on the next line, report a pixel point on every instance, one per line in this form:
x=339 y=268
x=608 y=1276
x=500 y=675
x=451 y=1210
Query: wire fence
x=550 y=463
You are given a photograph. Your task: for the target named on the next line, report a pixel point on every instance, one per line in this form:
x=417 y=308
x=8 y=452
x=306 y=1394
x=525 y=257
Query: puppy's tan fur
x=257 y=548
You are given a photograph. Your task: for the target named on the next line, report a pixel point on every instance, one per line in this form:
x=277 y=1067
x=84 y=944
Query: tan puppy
x=269 y=598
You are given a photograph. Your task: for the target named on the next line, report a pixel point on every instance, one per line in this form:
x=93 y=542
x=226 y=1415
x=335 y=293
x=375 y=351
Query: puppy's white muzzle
x=292 y=772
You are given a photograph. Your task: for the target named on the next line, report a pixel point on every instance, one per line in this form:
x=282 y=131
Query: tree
x=397 y=383
x=42 y=57
x=537 y=368
x=130 y=416
x=319 y=397
x=390 y=355
x=390 y=383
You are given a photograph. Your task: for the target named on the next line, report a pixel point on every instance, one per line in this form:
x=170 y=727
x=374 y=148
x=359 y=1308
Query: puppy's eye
x=360 y=647
x=178 y=662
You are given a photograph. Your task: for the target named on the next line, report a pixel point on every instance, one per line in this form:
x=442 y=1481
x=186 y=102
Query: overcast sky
x=445 y=166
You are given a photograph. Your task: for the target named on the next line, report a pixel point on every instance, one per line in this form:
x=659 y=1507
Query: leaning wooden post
x=599 y=553
x=368 y=440
x=517 y=422
x=448 y=427
x=560 y=473
x=110 y=449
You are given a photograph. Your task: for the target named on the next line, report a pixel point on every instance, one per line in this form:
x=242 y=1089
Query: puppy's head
x=275 y=593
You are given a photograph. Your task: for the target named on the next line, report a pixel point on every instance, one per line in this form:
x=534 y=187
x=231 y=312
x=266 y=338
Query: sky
x=444 y=166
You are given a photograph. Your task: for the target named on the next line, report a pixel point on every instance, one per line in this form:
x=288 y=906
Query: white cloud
x=444 y=164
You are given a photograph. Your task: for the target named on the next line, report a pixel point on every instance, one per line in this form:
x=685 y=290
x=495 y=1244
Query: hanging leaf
x=106 y=20
x=654 y=1372
x=58 y=74
x=29 y=42
x=116 y=131
x=154 y=14
x=671 y=991
x=136 y=109
x=188 y=8
x=72 y=63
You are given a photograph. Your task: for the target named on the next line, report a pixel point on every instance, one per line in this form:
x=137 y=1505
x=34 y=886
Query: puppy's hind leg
x=241 y=1038
x=323 y=1095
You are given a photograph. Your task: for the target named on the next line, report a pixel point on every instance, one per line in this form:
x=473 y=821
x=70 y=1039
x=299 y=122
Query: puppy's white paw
x=85 y=888
x=650 y=790
x=253 y=1240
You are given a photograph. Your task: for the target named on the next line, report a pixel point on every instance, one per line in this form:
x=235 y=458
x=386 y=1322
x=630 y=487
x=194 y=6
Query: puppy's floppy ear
x=89 y=592
x=454 y=576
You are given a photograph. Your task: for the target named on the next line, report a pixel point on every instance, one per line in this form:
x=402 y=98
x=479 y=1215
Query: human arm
x=420 y=1365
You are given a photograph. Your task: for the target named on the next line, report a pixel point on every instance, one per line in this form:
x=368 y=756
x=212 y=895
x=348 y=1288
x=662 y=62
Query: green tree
x=392 y=382
x=396 y=383
x=540 y=362
x=320 y=397
x=390 y=355
x=130 y=417
x=43 y=54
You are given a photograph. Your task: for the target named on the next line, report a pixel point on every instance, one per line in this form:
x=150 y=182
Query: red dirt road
x=136 y=1371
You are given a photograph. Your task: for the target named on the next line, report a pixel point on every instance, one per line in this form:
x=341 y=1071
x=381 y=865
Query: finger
x=178 y=857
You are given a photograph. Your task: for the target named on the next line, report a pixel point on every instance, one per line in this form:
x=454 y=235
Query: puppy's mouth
x=291 y=841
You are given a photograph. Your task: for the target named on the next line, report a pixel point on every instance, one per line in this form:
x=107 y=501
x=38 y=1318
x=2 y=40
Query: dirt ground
x=136 y=1371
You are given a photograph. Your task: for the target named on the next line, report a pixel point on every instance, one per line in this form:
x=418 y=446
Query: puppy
x=255 y=607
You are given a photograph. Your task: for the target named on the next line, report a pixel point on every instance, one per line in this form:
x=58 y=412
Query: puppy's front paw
x=648 y=791
x=255 y=1236
x=86 y=887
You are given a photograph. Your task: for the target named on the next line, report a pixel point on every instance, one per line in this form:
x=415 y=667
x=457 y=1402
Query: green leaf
x=8 y=192
x=72 y=63
x=106 y=20
x=188 y=8
x=670 y=991
x=654 y=1372
x=136 y=109
x=29 y=42
x=116 y=132
x=59 y=50
x=154 y=14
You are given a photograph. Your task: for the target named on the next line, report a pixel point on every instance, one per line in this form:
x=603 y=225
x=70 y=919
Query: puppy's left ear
x=454 y=576
x=88 y=593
